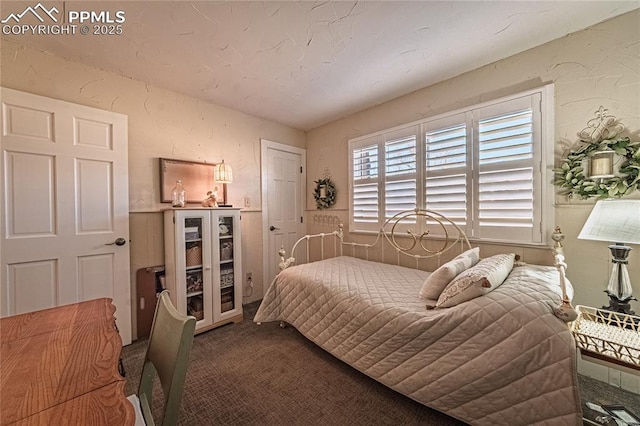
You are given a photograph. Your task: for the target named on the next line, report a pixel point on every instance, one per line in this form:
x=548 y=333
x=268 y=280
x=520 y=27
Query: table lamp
x=223 y=173
x=616 y=221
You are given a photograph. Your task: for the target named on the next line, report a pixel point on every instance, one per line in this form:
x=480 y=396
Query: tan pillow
x=484 y=277
x=438 y=280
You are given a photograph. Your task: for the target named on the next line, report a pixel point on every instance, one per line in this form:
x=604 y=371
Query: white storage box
x=191 y=233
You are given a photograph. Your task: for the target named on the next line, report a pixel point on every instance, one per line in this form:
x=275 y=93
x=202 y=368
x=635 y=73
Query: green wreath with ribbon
x=329 y=198
x=571 y=178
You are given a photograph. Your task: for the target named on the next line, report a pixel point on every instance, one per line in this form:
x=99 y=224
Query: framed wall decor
x=324 y=193
x=197 y=179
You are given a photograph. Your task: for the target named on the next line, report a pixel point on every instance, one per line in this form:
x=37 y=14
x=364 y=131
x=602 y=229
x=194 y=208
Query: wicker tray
x=608 y=334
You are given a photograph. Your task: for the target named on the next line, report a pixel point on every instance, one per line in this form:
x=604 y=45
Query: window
x=384 y=177
x=446 y=167
x=400 y=167
x=365 y=184
x=483 y=167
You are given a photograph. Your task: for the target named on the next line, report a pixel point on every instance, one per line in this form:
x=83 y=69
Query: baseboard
x=612 y=374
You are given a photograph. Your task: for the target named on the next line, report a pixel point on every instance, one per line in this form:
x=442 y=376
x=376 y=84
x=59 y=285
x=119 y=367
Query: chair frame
x=167 y=356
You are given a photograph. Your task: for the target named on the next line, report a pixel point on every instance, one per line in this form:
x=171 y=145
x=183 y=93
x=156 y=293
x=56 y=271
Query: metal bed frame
x=451 y=235
x=421 y=219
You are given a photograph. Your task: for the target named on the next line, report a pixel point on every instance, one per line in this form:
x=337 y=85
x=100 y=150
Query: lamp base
x=617 y=305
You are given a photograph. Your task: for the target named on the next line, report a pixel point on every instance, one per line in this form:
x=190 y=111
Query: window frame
x=543 y=203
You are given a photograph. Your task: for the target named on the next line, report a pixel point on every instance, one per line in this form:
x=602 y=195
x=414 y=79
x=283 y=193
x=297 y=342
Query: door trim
x=265 y=145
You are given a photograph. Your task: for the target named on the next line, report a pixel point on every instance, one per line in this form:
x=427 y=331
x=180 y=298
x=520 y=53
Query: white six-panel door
x=282 y=180
x=64 y=189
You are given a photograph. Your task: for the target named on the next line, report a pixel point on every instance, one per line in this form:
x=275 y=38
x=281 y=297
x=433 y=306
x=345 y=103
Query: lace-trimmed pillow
x=438 y=280
x=476 y=281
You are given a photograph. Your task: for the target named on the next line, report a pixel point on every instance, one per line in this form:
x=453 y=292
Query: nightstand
x=608 y=336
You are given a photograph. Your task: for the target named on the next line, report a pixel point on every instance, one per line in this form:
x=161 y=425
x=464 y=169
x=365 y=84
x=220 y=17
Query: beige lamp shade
x=613 y=221
x=223 y=173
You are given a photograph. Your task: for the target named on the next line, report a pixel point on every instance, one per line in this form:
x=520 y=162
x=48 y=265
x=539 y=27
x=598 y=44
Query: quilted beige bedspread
x=500 y=359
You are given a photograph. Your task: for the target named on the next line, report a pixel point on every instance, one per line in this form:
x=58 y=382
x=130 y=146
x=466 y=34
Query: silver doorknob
x=119 y=242
x=273 y=228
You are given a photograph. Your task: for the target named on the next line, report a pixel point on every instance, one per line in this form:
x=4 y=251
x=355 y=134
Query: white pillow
x=476 y=281
x=438 y=280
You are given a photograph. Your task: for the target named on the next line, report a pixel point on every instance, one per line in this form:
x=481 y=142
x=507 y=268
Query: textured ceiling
x=304 y=64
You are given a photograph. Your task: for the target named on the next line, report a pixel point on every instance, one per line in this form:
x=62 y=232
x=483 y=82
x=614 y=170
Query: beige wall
x=597 y=66
x=161 y=124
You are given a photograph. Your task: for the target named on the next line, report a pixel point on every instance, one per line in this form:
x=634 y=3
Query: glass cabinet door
x=226 y=227
x=195 y=284
x=194 y=280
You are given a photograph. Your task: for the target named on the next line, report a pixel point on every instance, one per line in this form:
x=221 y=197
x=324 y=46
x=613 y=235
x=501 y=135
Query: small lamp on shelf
x=616 y=221
x=223 y=173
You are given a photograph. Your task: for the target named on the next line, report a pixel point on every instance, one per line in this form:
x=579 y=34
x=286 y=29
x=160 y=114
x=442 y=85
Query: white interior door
x=283 y=178
x=65 y=223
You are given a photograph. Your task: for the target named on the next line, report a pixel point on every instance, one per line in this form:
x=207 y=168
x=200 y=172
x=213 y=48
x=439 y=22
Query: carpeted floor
x=245 y=374
x=597 y=392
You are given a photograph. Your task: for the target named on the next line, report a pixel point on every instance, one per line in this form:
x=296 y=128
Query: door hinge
x=301 y=219
x=300 y=169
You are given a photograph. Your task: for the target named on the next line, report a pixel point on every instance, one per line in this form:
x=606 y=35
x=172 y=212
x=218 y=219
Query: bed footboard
x=338 y=234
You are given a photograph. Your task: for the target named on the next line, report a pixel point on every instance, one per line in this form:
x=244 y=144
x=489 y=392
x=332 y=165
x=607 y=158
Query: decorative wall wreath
x=324 y=193
x=601 y=134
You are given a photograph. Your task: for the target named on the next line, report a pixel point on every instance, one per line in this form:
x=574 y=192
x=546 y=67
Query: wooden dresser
x=60 y=366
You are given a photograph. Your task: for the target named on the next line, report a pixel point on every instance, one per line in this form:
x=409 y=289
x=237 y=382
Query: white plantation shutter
x=508 y=179
x=506 y=198
x=482 y=167
x=446 y=167
x=400 y=175
x=365 y=186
